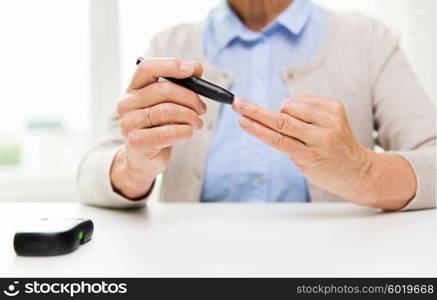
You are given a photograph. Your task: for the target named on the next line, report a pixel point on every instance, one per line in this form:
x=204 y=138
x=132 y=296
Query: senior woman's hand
x=154 y=116
x=315 y=133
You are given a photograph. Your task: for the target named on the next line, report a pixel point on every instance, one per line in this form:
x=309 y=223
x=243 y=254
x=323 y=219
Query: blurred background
x=64 y=64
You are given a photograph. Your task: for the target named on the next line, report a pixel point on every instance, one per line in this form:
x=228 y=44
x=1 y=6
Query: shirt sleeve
x=405 y=119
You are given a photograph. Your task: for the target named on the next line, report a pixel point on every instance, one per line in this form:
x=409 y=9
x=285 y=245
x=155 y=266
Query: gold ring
x=149 y=123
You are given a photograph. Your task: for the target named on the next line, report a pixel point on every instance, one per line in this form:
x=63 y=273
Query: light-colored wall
x=415 y=20
x=104 y=62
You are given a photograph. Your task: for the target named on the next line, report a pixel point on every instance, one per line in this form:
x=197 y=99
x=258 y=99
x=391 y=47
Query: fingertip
x=197 y=68
x=200 y=123
x=203 y=108
x=245 y=122
x=187 y=68
x=189 y=132
x=241 y=105
x=234 y=105
x=284 y=104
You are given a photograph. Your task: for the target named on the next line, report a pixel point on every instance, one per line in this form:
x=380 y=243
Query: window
x=45 y=99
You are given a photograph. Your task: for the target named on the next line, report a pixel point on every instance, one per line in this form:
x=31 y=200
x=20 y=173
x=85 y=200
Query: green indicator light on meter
x=81 y=235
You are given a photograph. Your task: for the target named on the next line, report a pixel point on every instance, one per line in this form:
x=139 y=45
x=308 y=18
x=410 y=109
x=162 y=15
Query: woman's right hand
x=154 y=116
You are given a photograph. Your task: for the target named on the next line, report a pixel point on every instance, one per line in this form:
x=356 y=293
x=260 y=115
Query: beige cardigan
x=360 y=64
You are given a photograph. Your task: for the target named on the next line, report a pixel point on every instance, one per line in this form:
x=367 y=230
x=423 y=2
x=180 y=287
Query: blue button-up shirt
x=240 y=168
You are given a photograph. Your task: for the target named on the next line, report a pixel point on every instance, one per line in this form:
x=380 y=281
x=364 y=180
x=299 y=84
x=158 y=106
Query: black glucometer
x=53 y=236
x=201 y=87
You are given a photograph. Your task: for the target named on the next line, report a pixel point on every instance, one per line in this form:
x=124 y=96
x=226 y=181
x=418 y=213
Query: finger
x=310 y=98
x=161 y=114
x=286 y=145
x=277 y=121
x=307 y=112
x=170 y=113
x=158 y=137
x=150 y=70
x=158 y=92
x=198 y=68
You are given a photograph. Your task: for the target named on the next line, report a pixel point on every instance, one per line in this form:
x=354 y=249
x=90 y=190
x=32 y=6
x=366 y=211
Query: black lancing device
x=53 y=236
x=201 y=87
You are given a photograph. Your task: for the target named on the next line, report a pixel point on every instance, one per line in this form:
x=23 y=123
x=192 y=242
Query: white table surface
x=231 y=240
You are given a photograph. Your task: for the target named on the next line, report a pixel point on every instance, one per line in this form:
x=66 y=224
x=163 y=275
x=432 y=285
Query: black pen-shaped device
x=201 y=87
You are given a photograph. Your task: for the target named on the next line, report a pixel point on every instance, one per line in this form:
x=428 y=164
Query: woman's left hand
x=315 y=133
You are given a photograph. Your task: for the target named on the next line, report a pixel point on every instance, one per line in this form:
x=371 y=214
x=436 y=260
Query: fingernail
x=242 y=104
x=198 y=125
x=288 y=103
x=245 y=122
x=203 y=108
x=187 y=68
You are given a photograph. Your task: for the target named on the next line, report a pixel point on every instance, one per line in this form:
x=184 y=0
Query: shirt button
x=260 y=179
x=258 y=81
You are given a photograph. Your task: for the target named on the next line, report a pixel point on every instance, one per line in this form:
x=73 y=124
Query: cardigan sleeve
x=405 y=118
x=93 y=177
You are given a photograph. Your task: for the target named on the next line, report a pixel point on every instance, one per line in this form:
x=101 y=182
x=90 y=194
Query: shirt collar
x=295 y=16
x=227 y=26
